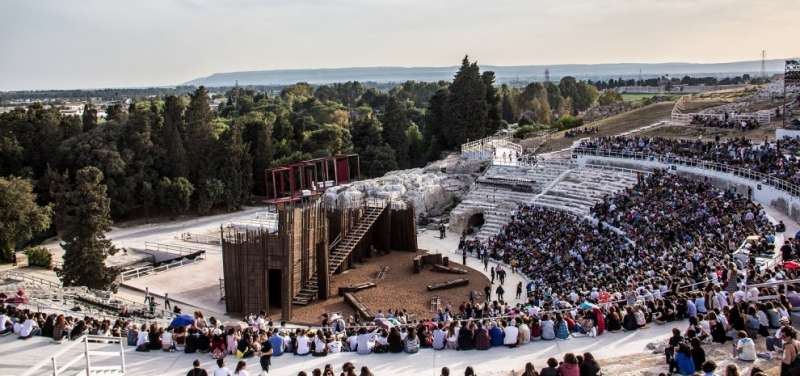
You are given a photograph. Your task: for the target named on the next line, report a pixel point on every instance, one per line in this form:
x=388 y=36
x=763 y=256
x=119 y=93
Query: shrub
x=525 y=130
x=39 y=256
x=569 y=122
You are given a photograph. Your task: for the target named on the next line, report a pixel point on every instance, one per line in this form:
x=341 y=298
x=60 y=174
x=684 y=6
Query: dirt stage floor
x=400 y=288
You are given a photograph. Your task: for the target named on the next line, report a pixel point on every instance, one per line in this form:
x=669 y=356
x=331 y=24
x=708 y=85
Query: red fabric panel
x=342 y=171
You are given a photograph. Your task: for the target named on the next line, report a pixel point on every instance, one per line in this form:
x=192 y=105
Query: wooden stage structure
x=314 y=241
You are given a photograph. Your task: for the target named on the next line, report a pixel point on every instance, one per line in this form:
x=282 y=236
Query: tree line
x=173 y=154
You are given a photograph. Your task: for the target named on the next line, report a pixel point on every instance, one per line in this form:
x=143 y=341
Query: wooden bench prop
x=356 y=287
x=361 y=310
x=449 y=269
x=449 y=284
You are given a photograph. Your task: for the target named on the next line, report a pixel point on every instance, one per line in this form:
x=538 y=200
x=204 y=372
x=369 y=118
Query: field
x=614 y=125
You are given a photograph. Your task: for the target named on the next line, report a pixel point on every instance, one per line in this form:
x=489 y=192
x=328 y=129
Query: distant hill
x=503 y=73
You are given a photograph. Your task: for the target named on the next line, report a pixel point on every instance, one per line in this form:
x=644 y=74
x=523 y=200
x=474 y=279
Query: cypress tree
x=85 y=212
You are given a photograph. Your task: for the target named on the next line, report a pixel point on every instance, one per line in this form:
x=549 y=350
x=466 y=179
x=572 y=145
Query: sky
x=64 y=44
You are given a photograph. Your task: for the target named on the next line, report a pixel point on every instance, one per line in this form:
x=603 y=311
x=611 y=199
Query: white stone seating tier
x=580 y=189
x=500 y=190
x=556 y=184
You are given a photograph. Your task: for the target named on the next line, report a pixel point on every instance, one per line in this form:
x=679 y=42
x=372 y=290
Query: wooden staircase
x=339 y=252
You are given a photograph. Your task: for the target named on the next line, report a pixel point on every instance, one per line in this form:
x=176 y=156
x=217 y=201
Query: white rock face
x=430 y=189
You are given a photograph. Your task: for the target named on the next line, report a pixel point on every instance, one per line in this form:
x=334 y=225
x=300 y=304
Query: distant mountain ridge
x=502 y=73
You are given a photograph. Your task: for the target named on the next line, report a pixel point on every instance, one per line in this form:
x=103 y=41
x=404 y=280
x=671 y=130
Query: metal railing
x=191 y=237
x=53 y=365
x=27 y=277
x=171 y=248
x=766 y=179
x=149 y=270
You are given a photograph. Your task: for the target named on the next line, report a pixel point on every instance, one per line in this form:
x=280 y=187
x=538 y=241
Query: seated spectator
x=551 y=369
x=745 y=347
x=569 y=367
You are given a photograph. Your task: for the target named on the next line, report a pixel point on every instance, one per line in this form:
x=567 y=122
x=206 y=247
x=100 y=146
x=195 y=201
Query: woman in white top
x=143 y=336
x=548 y=328
x=452 y=336
x=303 y=345
x=166 y=341
x=320 y=345
x=511 y=334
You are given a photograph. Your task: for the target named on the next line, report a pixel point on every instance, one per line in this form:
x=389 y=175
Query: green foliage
x=175 y=195
x=20 y=216
x=395 y=123
x=209 y=193
x=39 y=256
x=416 y=148
x=86 y=212
x=378 y=160
x=569 y=121
x=466 y=110
x=608 y=97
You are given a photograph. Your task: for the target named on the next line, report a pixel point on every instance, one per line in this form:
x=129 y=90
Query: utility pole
x=546 y=75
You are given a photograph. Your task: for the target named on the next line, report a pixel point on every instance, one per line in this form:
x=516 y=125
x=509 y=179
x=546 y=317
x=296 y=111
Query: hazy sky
x=109 y=43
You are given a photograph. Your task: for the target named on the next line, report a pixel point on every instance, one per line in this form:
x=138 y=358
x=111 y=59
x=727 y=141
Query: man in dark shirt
x=196 y=370
x=266 y=355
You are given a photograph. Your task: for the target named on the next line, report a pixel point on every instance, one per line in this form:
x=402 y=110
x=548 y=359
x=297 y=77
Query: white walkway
x=16 y=356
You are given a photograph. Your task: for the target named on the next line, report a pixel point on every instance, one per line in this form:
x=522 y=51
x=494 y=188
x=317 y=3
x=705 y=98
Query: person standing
x=464 y=257
x=499 y=291
x=167 y=304
x=147 y=296
x=485 y=262
x=266 y=356
x=519 y=289
x=492 y=274
x=488 y=291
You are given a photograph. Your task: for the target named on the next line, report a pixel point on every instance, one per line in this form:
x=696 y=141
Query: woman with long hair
x=529 y=370
x=240 y=369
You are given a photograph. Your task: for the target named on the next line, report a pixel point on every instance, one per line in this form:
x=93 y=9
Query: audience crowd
x=661 y=251
x=776 y=158
x=724 y=122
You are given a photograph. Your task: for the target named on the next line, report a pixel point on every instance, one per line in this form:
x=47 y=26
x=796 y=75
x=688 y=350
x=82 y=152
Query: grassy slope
x=611 y=126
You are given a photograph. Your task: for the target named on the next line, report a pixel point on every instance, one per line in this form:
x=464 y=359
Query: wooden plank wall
x=404 y=229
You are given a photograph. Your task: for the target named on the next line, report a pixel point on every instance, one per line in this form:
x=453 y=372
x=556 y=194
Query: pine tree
x=466 y=108
x=85 y=210
x=395 y=121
